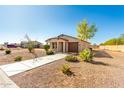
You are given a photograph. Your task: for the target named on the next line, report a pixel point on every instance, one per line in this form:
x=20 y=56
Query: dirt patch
x=6 y=59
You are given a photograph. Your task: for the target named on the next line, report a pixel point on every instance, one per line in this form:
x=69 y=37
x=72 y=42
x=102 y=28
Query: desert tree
x=31 y=46
x=85 y=31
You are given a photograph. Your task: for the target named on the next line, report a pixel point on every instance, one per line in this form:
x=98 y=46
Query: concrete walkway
x=5 y=82
x=18 y=67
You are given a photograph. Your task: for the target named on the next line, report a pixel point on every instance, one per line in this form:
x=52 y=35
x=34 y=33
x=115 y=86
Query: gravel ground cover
x=107 y=71
x=6 y=59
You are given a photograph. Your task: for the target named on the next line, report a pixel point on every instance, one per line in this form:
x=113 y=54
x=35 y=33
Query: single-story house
x=25 y=44
x=66 y=43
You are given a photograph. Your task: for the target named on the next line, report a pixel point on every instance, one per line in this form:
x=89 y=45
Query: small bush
x=86 y=55
x=18 y=58
x=66 y=69
x=31 y=46
x=30 y=49
x=46 y=47
x=49 y=52
x=71 y=58
x=8 y=51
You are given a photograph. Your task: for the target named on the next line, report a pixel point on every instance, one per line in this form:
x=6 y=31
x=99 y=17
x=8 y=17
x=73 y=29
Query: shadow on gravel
x=70 y=73
x=101 y=54
x=98 y=63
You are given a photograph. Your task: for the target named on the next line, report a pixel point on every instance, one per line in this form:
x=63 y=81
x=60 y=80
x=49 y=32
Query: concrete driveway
x=5 y=82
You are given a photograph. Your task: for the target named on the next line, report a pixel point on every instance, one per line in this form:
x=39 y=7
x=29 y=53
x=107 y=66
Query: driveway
x=19 y=67
x=5 y=82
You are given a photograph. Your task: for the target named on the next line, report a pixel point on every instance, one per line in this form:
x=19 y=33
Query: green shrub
x=71 y=58
x=8 y=51
x=86 y=55
x=30 y=49
x=49 y=52
x=18 y=58
x=31 y=46
x=66 y=69
x=46 y=47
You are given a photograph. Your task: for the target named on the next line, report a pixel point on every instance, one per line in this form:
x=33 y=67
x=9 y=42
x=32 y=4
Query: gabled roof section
x=71 y=37
x=61 y=36
x=67 y=36
x=56 y=38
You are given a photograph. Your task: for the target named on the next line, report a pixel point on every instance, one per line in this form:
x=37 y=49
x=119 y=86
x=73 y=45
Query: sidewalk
x=5 y=82
x=15 y=68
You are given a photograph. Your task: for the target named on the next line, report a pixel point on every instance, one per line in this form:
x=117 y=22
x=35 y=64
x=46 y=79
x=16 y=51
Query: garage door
x=73 y=47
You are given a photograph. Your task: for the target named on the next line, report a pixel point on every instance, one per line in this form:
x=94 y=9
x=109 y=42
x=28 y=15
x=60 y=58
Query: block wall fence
x=113 y=47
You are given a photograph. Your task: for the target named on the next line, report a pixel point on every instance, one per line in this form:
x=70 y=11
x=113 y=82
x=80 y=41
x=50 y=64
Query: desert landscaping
x=24 y=53
x=107 y=70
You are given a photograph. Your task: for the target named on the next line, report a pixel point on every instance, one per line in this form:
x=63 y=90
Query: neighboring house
x=12 y=45
x=66 y=43
x=5 y=44
x=95 y=46
x=24 y=44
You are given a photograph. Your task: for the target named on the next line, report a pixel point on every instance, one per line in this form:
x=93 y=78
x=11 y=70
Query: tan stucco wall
x=59 y=46
x=113 y=47
x=81 y=44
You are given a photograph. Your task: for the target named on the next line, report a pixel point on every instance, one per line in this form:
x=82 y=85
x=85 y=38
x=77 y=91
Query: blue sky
x=42 y=22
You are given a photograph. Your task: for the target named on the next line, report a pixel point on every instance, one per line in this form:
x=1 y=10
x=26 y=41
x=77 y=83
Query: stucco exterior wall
x=83 y=45
x=113 y=47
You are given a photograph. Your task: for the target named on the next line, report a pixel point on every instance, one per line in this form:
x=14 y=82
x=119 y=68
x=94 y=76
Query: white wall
x=113 y=47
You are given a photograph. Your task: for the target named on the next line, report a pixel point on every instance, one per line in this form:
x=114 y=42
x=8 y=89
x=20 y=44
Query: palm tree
x=85 y=31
